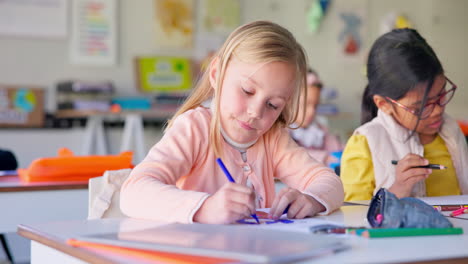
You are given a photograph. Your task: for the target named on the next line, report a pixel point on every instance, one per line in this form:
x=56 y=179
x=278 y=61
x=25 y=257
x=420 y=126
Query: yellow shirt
x=357 y=170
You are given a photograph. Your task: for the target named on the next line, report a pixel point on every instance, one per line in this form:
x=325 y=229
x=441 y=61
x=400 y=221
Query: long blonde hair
x=256 y=42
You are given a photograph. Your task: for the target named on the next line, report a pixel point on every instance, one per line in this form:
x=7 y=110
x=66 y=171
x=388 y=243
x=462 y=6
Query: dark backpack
x=7 y=160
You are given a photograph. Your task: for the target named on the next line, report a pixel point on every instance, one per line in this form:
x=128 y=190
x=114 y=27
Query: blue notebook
x=226 y=241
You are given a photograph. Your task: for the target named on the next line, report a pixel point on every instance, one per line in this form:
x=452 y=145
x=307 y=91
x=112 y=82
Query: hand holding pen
x=229 y=177
x=409 y=170
x=227 y=205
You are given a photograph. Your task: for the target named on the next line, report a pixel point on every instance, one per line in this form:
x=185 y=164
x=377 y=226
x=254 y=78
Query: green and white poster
x=164 y=74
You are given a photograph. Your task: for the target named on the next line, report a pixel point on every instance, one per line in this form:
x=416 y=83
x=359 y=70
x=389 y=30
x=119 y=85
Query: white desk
x=48 y=242
x=40 y=202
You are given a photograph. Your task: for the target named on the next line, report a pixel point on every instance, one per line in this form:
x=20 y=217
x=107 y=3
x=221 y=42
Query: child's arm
x=300 y=205
x=357 y=170
x=230 y=203
x=407 y=175
x=320 y=187
x=319 y=155
x=150 y=192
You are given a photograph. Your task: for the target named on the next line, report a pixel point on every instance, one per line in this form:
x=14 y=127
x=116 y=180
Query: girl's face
x=430 y=126
x=312 y=101
x=253 y=96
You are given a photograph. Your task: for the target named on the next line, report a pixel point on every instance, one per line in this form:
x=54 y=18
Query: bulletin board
x=21 y=106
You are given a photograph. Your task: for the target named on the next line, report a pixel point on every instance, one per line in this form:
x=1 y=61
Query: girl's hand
x=407 y=175
x=301 y=205
x=229 y=204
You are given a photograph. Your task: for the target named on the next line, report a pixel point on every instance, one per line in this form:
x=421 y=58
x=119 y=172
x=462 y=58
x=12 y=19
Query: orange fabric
x=67 y=167
x=167 y=257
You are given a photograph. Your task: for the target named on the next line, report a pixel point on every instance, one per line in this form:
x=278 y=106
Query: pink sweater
x=180 y=172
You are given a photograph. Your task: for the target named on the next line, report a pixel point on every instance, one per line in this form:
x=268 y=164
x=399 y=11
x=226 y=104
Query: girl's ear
x=383 y=104
x=213 y=72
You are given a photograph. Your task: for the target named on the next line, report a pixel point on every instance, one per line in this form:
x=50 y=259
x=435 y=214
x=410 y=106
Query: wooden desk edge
x=60 y=245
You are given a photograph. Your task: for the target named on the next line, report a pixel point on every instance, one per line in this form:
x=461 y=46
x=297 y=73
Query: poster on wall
x=156 y=74
x=174 y=23
x=220 y=16
x=315 y=14
x=351 y=33
x=217 y=19
x=94 y=32
x=21 y=106
x=34 y=18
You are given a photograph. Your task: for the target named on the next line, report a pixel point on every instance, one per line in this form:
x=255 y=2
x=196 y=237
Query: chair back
x=104 y=194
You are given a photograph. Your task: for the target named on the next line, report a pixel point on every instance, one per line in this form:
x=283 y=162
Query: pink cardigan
x=180 y=172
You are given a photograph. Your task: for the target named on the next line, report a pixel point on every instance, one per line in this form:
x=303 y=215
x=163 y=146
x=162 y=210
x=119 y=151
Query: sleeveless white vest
x=388 y=141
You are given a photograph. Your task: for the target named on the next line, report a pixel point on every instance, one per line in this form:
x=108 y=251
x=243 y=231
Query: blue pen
x=228 y=175
x=287 y=209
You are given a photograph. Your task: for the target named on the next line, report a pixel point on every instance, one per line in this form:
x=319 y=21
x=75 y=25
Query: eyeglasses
x=443 y=99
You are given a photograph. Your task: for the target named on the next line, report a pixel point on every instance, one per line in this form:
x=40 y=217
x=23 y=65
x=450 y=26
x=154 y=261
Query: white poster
x=94 y=32
x=34 y=18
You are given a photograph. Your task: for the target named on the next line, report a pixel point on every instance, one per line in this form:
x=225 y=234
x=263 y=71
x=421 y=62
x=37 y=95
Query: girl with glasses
x=404 y=125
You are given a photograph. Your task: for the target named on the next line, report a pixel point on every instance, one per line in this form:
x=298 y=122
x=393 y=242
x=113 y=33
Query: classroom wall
x=442 y=23
x=43 y=62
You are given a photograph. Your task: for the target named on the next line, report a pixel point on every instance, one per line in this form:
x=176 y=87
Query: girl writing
x=404 y=121
x=238 y=111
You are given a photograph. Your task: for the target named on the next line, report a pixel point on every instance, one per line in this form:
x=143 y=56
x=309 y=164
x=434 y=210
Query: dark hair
x=398 y=61
x=318 y=83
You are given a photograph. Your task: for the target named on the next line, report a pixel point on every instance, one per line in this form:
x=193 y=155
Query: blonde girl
x=239 y=111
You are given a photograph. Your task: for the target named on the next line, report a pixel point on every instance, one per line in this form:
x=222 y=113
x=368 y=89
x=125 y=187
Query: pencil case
x=68 y=167
x=388 y=211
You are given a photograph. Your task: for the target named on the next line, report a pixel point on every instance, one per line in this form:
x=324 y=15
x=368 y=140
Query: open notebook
x=224 y=241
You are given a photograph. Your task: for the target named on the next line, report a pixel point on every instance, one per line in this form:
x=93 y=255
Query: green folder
x=402 y=232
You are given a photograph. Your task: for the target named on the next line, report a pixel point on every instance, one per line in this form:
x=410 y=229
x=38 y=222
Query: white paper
x=445 y=200
x=298 y=225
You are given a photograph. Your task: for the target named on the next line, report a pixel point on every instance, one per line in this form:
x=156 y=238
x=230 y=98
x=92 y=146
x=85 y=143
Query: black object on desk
x=7 y=160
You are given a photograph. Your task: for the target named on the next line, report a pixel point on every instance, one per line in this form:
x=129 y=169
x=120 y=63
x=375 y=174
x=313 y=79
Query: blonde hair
x=256 y=42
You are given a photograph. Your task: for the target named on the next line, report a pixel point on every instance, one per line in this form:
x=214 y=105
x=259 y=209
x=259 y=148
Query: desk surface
x=14 y=184
x=436 y=249
x=22 y=202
